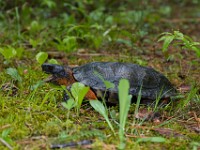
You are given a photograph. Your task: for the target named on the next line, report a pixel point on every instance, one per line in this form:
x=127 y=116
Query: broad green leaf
x=49 y=3
x=41 y=57
x=69 y=39
x=109 y=20
x=70 y=43
x=37 y=84
x=35 y=26
x=79 y=91
x=14 y=74
x=97 y=26
x=69 y=104
x=108 y=84
x=113 y=114
x=34 y=43
x=162 y=38
x=196 y=49
x=126 y=42
x=6 y=132
x=97 y=41
x=195 y=145
x=195 y=43
x=167 y=41
x=165 y=10
x=178 y=35
x=19 y=52
x=6 y=135
x=8 y=140
x=188 y=38
x=152 y=139
x=124 y=101
x=124 y=105
x=53 y=61
x=8 y=52
x=99 y=107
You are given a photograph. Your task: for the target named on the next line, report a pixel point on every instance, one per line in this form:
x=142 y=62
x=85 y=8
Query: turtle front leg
x=66 y=96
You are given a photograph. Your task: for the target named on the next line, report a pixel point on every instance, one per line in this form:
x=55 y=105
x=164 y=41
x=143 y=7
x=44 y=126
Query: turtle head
x=60 y=75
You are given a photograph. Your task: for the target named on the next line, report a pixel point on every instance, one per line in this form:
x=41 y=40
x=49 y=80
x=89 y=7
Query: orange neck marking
x=66 y=80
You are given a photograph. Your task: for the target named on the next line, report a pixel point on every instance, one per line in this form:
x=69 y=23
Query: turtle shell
x=152 y=83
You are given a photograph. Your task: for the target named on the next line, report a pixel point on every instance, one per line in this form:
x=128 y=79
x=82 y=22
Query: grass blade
x=99 y=107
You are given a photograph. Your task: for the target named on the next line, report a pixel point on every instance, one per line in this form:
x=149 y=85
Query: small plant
x=100 y=108
x=78 y=91
x=8 y=52
x=48 y=3
x=14 y=74
x=68 y=44
x=68 y=105
x=195 y=145
x=35 y=27
x=19 y=52
x=5 y=135
x=35 y=42
x=124 y=103
x=187 y=100
x=179 y=39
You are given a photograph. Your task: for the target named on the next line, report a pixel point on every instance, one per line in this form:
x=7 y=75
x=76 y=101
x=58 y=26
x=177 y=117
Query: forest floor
x=32 y=115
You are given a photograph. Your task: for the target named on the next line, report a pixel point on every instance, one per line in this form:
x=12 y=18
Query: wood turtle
x=153 y=83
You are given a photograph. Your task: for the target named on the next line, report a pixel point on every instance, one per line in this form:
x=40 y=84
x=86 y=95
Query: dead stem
x=6 y=144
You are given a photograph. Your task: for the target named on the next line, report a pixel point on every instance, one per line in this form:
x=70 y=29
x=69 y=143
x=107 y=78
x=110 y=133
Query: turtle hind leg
x=90 y=95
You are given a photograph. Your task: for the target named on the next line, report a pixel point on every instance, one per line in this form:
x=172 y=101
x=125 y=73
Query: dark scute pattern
x=153 y=83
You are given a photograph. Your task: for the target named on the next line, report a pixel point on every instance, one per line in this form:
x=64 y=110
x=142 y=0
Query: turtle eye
x=62 y=73
x=48 y=68
x=51 y=69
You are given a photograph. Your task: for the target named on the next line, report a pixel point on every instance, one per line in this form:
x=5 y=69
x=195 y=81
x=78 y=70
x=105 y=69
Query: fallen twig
x=196 y=118
x=5 y=126
x=185 y=20
x=71 y=144
x=6 y=144
x=99 y=54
